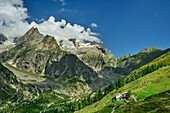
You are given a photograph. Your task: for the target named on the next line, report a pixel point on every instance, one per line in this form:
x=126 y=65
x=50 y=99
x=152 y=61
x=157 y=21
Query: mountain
x=93 y=64
x=150 y=84
x=156 y=63
x=93 y=54
x=146 y=86
x=38 y=74
x=41 y=55
x=43 y=68
x=97 y=57
x=128 y=63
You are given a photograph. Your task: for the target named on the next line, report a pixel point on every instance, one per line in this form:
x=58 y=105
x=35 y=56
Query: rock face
x=41 y=55
x=69 y=66
x=5 y=43
x=31 y=51
x=8 y=84
x=3 y=38
x=98 y=58
x=93 y=55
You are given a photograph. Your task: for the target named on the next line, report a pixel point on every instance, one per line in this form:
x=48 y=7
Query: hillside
x=128 y=63
x=25 y=92
x=158 y=103
x=8 y=84
x=156 y=63
x=150 y=84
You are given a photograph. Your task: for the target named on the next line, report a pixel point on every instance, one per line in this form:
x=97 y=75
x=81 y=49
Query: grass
x=156 y=103
x=23 y=71
x=143 y=87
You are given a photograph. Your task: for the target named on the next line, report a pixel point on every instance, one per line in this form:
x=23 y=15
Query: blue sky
x=125 y=26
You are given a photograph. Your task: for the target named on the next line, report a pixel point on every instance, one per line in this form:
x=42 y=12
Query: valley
x=38 y=74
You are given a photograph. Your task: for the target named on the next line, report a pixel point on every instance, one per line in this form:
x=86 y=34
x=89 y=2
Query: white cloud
x=12 y=17
x=62 y=30
x=93 y=25
x=41 y=20
x=68 y=10
x=63 y=3
x=62 y=10
x=13 y=23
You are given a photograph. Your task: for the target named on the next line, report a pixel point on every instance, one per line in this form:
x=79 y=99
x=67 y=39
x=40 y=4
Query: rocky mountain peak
x=33 y=37
x=32 y=31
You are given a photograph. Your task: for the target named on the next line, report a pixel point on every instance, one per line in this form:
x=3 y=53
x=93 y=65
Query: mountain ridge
x=43 y=67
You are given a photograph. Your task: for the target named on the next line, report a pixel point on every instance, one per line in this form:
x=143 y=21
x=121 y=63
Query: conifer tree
x=106 y=91
x=75 y=106
x=85 y=101
x=137 y=76
x=114 y=86
x=100 y=94
x=121 y=82
x=89 y=99
x=154 y=67
x=81 y=105
x=132 y=78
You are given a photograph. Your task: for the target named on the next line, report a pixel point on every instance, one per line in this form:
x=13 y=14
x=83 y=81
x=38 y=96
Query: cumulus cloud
x=13 y=23
x=93 y=25
x=62 y=30
x=12 y=17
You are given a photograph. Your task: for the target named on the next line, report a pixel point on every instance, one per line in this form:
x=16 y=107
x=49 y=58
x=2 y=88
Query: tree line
x=144 y=71
x=77 y=105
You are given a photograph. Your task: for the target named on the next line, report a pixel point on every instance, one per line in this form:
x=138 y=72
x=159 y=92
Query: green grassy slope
x=152 y=83
x=158 y=103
